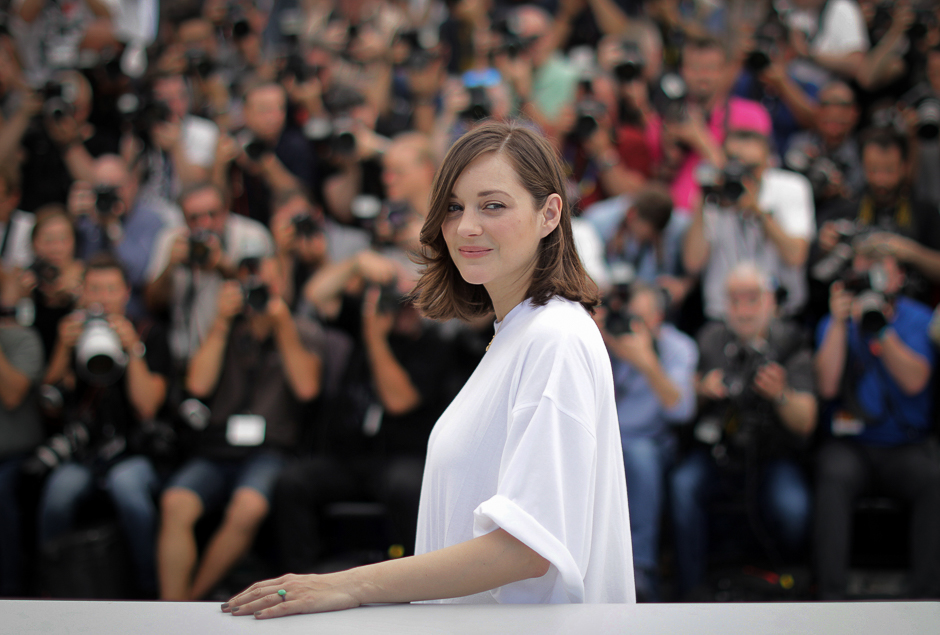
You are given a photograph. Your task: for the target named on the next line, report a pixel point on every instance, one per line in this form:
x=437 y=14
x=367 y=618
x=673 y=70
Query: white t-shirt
x=839 y=30
x=531 y=444
x=18 y=246
x=200 y=138
x=788 y=197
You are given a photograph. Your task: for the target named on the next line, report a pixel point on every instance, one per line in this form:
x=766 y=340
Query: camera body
x=390 y=298
x=629 y=62
x=199 y=247
x=305 y=226
x=820 y=170
x=58 y=99
x=510 y=41
x=106 y=198
x=99 y=356
x=725 y=186
x=254 y=147
x=927 y=106
x=45 y=271
x=869 y=290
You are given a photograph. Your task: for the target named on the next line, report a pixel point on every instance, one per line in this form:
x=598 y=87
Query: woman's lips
x=474 y=252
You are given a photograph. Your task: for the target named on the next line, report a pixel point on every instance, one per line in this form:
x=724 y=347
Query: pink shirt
x=745 y=115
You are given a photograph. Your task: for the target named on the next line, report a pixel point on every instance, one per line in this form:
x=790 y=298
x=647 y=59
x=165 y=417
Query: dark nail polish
x=235 y=609
x=225 y=606
x=257 y=613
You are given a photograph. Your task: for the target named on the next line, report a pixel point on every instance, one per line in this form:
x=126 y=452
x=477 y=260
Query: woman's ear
x=551 y=214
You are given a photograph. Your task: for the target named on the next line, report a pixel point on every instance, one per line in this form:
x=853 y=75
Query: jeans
x=783 y=504
x=10 y=547
x=844 y=471
x=132 y=485
x=646 y=461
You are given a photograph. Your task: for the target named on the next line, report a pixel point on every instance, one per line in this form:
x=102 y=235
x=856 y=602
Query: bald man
x=408 y=171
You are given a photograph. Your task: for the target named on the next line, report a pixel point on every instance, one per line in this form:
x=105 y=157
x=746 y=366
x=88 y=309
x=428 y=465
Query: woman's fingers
x=265 y=600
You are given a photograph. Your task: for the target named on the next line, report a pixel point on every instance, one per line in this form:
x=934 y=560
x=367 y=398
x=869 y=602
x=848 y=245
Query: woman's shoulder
x=559 y=323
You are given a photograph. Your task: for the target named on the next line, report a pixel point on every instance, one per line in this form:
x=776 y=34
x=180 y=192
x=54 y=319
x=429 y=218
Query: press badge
x=245 y=430
x=845 y=425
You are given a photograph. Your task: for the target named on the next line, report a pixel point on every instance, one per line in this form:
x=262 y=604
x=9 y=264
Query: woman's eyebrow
x=491 y=192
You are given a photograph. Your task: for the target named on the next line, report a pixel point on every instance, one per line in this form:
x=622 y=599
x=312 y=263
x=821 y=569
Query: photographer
x=373 y=428
x=874 y=363
x=275 y=156
x=783 y=82
x=21 y=361
x=894 y=222
x=757 y=412
x=111 y=410
x=654 y=369
x=180 y=147
x=15 y=225
x=698 y=117
x=256 y=368
x=301 y=243
x=55 y=276
x=645 y=235
x=189 y=264
x=111 y=216
x=828 y=153
x=756 y=213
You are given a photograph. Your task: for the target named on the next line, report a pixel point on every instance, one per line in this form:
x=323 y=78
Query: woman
x=524 y=497
x=55 y=276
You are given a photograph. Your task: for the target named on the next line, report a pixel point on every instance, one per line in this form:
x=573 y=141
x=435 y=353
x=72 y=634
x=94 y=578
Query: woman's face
x=55 y=242
x=492 y=229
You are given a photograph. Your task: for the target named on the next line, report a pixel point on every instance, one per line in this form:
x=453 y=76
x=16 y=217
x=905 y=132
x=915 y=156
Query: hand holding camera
x=712 y=385
x=770 y=382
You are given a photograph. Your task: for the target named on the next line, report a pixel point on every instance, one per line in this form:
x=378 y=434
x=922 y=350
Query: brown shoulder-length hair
x=441 y=293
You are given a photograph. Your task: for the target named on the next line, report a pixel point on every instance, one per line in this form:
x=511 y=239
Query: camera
x=390 y=298
x=839 y=260
x=744 y=362
x=45 y=271
x=58 y=99
x=420 y=49
x=819 y=170
x=618 y=319
x=589 y=111
x=510 y=41
x=766 y=36
x=57 y=449
x=99 y=357
x=106 y=198
x=199 y=247
x=927 y=106
x=199 y=63
x=254 y=147
x=868 y=287
x=479 y=107
x=669 y=98
x=343 y=141
x=724 y=186
x=305 y=225
x=629 y=63
x=255 y=291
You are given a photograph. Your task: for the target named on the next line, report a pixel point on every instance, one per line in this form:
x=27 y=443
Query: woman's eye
x=454 y=207
x=494 y=206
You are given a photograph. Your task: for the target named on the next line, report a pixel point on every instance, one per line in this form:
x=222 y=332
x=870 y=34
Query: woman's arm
x=474 y=566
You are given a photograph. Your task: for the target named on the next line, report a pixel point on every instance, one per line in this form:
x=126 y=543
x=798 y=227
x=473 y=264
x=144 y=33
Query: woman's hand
x=303 y=594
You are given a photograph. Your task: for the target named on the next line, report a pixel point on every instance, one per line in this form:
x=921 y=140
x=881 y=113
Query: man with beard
x=885 y=219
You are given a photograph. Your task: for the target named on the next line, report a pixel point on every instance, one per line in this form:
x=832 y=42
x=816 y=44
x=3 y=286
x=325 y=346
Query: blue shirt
x=140 y=229
x=895 y=418
x=639 y=410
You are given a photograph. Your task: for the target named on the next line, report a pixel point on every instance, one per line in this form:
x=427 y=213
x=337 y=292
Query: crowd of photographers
x=207 y=210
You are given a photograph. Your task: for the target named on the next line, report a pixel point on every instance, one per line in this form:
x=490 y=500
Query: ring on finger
x=283 y=594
